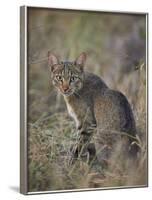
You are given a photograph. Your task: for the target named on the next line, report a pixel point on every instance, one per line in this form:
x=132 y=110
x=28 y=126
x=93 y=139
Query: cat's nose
x=65 y=88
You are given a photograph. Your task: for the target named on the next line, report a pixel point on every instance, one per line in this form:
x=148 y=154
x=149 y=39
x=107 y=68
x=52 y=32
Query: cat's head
x=67 y=76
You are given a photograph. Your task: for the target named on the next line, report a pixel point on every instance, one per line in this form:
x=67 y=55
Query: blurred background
x=116 y=50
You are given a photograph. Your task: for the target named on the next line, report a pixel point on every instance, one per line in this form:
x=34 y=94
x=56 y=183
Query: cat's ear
x=52 y=61
x=81 y=60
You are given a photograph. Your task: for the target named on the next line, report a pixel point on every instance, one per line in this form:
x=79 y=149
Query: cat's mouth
x=67 y=93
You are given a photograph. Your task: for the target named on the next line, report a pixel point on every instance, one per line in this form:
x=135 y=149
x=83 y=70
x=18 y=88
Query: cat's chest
x=73 y=113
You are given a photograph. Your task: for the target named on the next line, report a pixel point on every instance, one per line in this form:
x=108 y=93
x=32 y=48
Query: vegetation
x=115 y=45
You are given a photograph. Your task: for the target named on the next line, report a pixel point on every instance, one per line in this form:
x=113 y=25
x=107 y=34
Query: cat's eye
x=73 y=78
x=59 y=78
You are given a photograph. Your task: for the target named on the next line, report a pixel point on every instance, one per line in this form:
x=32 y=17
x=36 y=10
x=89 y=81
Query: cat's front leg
x=78 y=126
x=85 y=128
x=80 y=148
x=85 y=149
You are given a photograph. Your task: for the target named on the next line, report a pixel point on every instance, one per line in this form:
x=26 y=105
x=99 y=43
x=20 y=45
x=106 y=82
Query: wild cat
x=97 y=110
